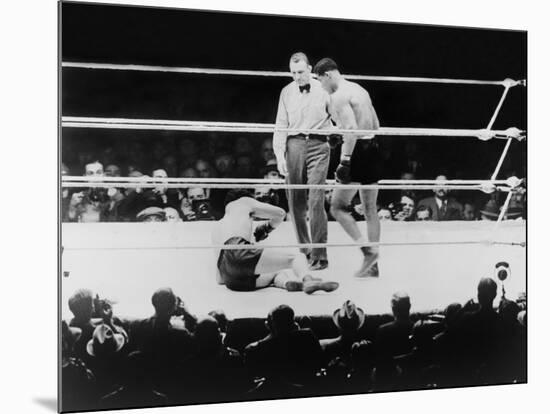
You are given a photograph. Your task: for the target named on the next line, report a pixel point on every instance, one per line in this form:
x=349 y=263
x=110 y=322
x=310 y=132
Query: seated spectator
x=384 y=214
x=188 y=152
x=225 y=164
x=137 y=388
x=164 y=334
x=201 y=207
x=188 y=172
x=418 y=364
x=106 y=352
x=392 y=338
x=363 y=357
x=81 y=304
x=443 y=207
x=245 y=167
x=479 y=333
x=512 y=344
x=470 y=212
x=242 y=146
x=65 y=195
x=266 y=150
x=403 y=211
x=204 y=169
x=91 y=204
x=77 y=381
x=287 y=355
x=490 y=211
x=172 y=215
x=170 y=165
x=423 y=213
x=112 y=170
x=151 y=214
x=348 y=319
x=213 y=366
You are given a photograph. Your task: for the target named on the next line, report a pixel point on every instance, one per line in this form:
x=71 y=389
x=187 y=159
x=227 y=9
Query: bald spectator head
x=164 y=301
x=486 y=292
x=281 y=320
x=81 y=304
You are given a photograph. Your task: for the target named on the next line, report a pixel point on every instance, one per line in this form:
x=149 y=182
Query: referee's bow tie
x=306 y=88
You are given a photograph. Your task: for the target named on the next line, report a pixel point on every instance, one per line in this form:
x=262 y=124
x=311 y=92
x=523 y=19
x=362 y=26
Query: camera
x=101 y=305
x=202 y=209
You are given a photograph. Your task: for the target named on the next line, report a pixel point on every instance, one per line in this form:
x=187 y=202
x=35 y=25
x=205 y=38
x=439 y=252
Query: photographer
x=403 y=211
x=89 y=204
x=166 y=335
x=196 y=206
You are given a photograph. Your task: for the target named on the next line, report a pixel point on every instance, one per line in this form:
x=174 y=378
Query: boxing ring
x=436 y=263
x=127 y=262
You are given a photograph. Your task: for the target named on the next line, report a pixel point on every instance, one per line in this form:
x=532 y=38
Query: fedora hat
x=349 y=316
x=104 y=341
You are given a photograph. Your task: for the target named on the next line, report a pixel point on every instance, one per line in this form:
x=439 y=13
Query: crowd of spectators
x=244 y=157
x=175 y=357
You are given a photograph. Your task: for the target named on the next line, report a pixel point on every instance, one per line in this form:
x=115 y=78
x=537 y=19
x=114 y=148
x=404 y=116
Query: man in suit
x=303 y=158
x=443 y=207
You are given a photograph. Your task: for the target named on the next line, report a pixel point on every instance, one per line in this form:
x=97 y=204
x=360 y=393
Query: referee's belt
x=310 y=136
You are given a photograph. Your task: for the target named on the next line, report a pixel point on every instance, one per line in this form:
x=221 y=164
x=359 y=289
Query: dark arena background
x=124 y=261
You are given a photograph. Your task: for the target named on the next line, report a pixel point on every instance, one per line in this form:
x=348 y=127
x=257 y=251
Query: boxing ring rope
x=157 y=124
x=280 y=74
x=227 y=183
x=303 y=245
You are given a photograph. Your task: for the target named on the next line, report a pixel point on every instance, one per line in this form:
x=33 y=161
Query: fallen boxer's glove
x=334 y=140
x=261 y=232
x=343 y=172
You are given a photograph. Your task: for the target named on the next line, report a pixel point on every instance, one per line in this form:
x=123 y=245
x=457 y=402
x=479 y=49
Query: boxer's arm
x=346 y=119
x=275 y=215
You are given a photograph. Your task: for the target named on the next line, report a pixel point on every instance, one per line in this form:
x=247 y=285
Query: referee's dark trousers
x=307 y=160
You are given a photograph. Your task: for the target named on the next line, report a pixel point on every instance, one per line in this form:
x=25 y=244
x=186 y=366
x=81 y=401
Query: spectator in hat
x=348 y=319
x=151 y=214
x=443 y=206
x=106 y=352
x=392 y=338
x=137 y=389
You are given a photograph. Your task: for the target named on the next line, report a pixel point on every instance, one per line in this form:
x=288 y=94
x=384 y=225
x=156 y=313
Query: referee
x=304 y=158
